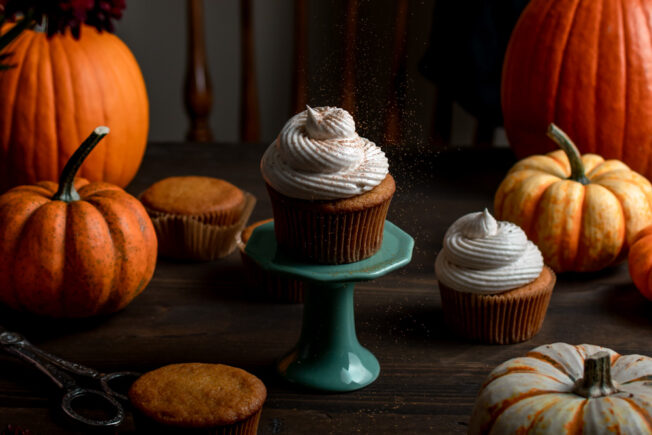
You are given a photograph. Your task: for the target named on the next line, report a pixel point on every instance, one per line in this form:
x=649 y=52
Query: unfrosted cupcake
x=330 y=188
x=196 y=398
x=494 y=286
x=272 y=285
x=197 y=217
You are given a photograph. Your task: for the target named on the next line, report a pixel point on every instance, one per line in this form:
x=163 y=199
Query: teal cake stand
x=328 y=355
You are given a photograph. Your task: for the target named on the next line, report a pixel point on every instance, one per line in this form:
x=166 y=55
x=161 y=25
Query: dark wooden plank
x=206 y=312
x=349 y=101
x=300 y=65
x=397 y=83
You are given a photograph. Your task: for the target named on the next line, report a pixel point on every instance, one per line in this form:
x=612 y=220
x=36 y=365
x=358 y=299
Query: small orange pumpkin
x=582 y=212
x=75 y=249
x=640 y=261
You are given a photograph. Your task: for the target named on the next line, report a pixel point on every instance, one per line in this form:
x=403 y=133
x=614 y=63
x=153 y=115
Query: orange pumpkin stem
x=67 y=191
x=565 y=143
x=597 y=377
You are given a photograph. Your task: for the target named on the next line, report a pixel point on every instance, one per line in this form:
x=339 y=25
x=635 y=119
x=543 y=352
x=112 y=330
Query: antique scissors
x=62 y=373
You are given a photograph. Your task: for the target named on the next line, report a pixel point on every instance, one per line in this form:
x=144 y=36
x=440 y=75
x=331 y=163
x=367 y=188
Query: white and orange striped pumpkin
x=581 y=211
x=563 y=389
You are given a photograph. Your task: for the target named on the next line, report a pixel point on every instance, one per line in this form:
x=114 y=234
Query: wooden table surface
x=204 y=312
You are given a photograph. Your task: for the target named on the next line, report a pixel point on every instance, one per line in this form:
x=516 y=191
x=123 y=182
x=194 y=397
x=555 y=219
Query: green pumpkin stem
x=67 y=191
x=597 y=377
x=565 y=143
x=26 y=23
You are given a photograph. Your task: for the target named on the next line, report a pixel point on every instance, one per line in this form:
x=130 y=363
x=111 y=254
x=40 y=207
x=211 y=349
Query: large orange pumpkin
x=586 y=66
x=75 y=249
x=60 y=89
x=582 y=212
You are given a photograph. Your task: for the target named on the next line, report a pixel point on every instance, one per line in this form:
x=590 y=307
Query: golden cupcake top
x=198 y=395
x=192 y=195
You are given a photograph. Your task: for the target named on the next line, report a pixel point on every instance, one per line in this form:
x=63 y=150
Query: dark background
x=155 y=30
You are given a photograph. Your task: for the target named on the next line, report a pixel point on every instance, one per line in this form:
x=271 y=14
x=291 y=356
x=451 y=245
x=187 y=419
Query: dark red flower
x=104 y=12
x=59 y=15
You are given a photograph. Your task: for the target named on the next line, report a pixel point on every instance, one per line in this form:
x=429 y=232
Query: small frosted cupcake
x=196 y=398
x=494 y=286
x=197 y=217
x=273 y=286
x=330 y=188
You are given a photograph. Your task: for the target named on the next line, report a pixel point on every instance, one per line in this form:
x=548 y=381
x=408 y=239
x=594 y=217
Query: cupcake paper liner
x=244 y=427
x=248 y=426
x=328 y=238
x=269 y=285
x=199 y=237
x=509 y=317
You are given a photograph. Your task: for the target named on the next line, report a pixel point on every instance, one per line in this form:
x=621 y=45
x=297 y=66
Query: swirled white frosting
x=319 y=156
x=481 y=255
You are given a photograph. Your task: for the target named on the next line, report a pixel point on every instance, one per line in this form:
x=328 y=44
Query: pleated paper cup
x=509 y=317
x=146 y=425
x=201 y=237
x=332 y=232
x=269 y=285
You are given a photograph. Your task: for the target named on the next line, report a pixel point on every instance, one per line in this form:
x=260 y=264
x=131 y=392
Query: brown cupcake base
x=504 y=318
x=332 y=232
x=198 y=237
x=144 y=424
x=272 y=286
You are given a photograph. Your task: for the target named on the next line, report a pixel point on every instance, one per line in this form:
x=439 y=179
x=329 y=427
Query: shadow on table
x=38 y=327
x=422 y=323
x=626 y=303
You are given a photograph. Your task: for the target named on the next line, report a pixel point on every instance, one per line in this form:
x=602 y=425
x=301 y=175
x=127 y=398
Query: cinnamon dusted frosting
x=319 y=156
x=481 y=255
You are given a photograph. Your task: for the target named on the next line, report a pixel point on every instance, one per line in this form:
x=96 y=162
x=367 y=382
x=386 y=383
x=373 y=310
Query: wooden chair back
x=198 y=98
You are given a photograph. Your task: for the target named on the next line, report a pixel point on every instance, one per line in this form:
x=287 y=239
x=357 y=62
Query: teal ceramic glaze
x=328 y=355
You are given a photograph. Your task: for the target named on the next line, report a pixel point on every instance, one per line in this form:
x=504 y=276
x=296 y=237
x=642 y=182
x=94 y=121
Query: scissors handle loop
x=72 y=399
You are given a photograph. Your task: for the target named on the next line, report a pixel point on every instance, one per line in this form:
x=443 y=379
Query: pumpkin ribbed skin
x=577 y=227
x=536 y=394
x=77 y=259
x=640 y=262
x=584 y=65
x=60 y=89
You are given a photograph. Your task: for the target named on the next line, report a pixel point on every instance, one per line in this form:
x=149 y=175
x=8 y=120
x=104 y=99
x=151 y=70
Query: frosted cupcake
x=494 y=286
x=330 y=188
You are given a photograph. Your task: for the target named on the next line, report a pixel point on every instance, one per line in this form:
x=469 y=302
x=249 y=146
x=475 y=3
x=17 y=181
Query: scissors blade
x=15 y=344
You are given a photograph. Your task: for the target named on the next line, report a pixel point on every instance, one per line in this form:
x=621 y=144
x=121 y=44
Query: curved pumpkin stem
x=597 y=377
x=565 y=143
x=67 y=191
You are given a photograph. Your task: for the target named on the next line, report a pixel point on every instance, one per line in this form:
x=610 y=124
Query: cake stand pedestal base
x=328 y=356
